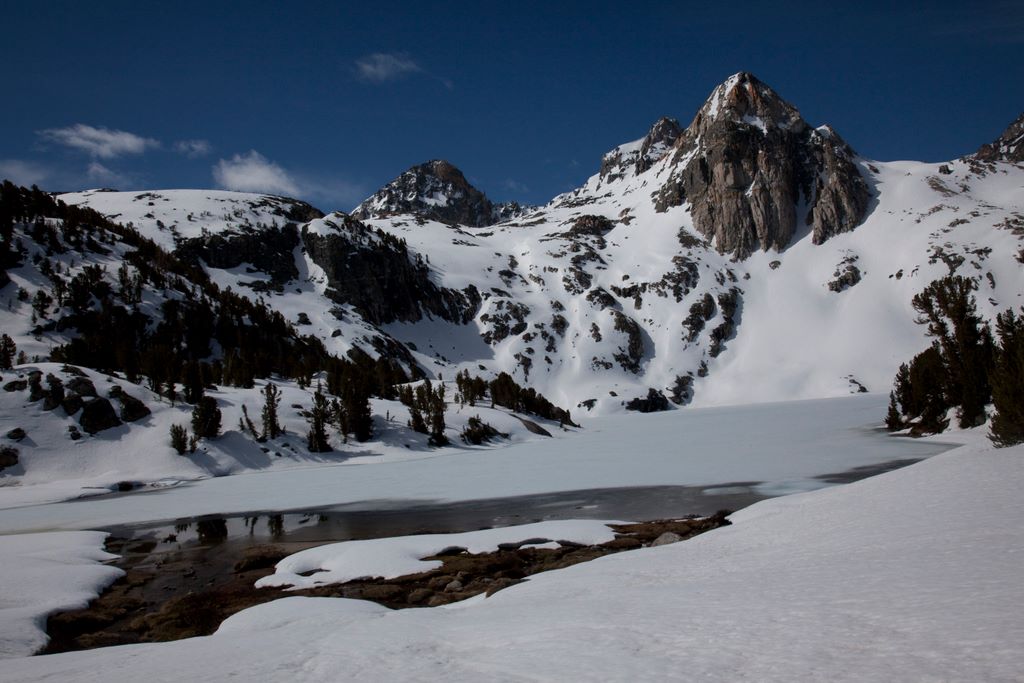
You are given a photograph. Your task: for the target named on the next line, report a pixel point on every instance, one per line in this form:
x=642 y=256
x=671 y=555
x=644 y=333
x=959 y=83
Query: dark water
x=378 y=519
x=384 y=518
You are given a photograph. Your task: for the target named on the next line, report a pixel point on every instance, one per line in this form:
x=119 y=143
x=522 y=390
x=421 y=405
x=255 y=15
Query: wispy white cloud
x=23 y=172
x=253 y=172
x=98 y=173
x=381 y=67
x=193 y=149
x=102 y=143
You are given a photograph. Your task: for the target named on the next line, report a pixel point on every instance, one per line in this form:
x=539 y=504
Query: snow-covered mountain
x=747 y=256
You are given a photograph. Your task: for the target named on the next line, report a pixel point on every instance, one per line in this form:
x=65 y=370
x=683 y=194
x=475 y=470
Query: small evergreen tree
x=206 y=418
x=316 y=438
x=179 y=438
x=271 y=400
x=194 y=389
x=415 y=405
x=1008 y=381
x=893 y=419
x=8 y=351
x=436 y=408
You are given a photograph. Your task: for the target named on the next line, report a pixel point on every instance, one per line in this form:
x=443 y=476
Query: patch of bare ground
x=189 y=593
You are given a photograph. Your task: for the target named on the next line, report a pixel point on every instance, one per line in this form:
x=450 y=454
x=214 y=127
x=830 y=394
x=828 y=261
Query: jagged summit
x=435 y=190
x=748 y=161
x=638 y=156
x=1007 y=147
x=742 y=98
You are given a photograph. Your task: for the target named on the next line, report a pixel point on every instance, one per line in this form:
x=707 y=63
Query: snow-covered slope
x=57 y=461
x=748 y=256
x=169 y=216
x=912 y=575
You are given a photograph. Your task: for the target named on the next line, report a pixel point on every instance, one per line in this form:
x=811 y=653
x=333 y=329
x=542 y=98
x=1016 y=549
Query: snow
x=911 y=575
x=780 y=448
x=787 y=313
x=46 y=573
x=53 y=467
x=392 y=557
x=165 y=216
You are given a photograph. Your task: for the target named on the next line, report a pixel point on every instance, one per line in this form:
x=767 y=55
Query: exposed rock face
x=435 y=190
x=373 y=272
x=1007 y=147
x=654 y=402
x=267 y=249
x=637 y=157
x=747 y=161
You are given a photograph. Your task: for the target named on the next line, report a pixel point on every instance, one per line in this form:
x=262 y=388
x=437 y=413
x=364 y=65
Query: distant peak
x=665 y=129
x=435 y=190
x=1007 y=147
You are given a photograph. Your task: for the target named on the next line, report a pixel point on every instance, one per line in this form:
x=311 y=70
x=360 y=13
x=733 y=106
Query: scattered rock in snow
x=8 y=457
x=666 y=538
x=98 y=415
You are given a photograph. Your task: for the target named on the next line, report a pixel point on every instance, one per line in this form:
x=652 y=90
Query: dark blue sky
x=329 y=100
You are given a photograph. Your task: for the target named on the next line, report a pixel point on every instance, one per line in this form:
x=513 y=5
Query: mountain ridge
x=651 y=277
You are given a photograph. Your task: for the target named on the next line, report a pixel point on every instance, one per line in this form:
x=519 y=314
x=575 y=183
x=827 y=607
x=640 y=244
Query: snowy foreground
x=911 y=575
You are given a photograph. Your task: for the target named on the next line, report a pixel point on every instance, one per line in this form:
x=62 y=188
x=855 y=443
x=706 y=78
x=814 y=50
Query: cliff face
x=748 y=161
x=374 y=272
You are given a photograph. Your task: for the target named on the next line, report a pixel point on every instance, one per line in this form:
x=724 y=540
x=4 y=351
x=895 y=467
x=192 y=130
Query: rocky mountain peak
x=1007 y=147
x=435 y=190
x=748 y=161
x=744 y=99
x=638 y=156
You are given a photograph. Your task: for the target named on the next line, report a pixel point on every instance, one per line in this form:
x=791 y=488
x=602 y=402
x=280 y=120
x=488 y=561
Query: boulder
x=16 y=434
x=132 y=409
x=97 y=415
x=666 y=538
x=82 y=386
x=8 y=457
x=72 y=403
x=654 y=402
x=16 y=385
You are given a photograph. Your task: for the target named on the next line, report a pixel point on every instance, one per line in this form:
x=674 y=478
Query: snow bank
x=46 y=573
x=912 y=575
x=391 y=557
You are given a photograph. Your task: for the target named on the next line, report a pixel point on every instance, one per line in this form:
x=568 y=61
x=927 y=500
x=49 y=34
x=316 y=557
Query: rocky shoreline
x=186 y=593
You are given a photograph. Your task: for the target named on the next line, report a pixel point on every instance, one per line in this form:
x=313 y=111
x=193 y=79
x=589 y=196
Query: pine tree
x=948 y=308
x=316 y=438
x=194 y=389
x=415 y=405
x=271 y=399
x=1008 y=381
x=356 y=406
x=8 y=351
x=436 y=411
x=179 y=438
x=206 y=418
x=893 y=419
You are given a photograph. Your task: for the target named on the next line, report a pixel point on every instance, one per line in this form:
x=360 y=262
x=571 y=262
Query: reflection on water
x=384 y=518
x=377 y=519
